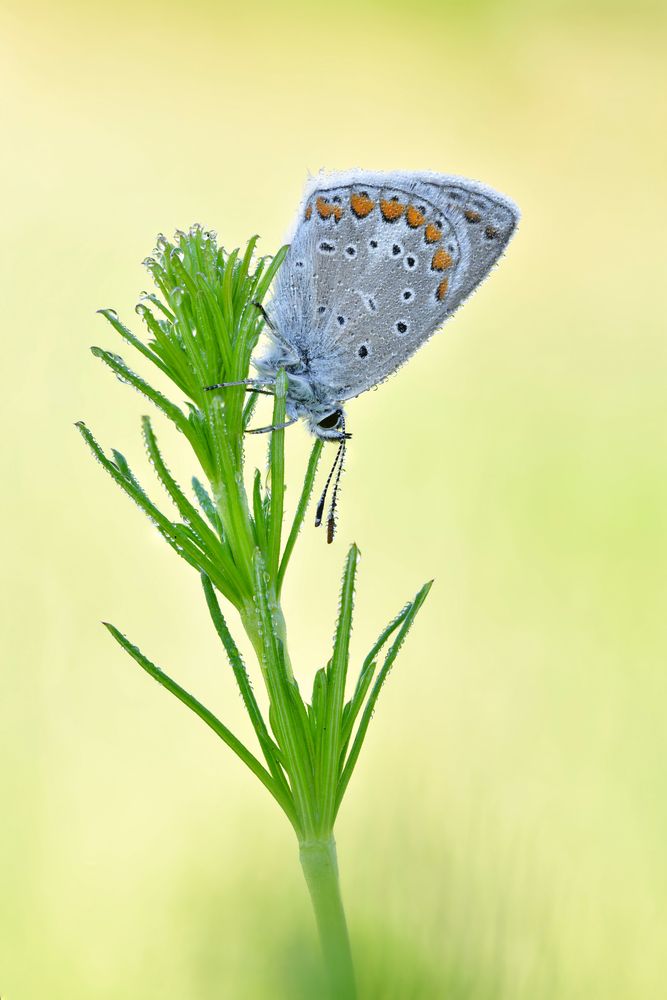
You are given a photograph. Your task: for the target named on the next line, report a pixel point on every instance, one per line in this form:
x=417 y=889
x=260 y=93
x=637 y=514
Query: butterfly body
x=377 y=263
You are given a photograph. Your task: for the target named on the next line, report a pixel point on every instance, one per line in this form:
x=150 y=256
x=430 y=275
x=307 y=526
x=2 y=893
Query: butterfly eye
x=328 y=423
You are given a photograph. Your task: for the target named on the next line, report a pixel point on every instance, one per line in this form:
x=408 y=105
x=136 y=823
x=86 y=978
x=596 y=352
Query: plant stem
x=320 y=868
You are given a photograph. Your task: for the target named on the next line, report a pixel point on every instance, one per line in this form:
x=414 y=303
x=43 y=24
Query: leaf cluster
x=202 y=325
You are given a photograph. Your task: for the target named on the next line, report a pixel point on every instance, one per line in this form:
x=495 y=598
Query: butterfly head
x=328 y=426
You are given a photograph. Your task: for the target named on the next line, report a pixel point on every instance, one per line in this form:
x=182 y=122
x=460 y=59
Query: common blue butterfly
x=377 y=263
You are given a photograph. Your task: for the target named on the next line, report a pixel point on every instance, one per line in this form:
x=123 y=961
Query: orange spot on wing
x=361 y=205
x=308 y=212
x=432 y=234
x=490 y=232
x=392 y=210
x=414 y=217
x=442 y=289
x=441 y=260
x=326 y=209
x=471 y=215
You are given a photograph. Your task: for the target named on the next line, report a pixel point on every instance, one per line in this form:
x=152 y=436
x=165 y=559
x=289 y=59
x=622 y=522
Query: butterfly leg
x=272 y=427
x=252 y=384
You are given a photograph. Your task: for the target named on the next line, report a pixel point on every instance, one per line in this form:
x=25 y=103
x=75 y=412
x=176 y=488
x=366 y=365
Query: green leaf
x=206 y=504
x=366 y=673
x=300 y=513
x=318 y=699
x=185 y=548
x=270 y=750
x=328 y=768
x=204 y=713
x=112 y=317
x=258 y=511
x=210 y=543
x=277 y=472
x=377 y=687
x=125 y=374
x=286 y=719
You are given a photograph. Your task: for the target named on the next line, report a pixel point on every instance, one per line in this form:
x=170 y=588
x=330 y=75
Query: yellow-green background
x=505 y=834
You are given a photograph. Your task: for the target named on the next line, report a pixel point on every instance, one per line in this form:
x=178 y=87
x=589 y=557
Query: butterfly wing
x=377 y=263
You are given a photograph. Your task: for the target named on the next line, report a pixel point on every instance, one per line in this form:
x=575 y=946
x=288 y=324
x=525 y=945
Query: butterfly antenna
x=331 y=520
x=323 y=498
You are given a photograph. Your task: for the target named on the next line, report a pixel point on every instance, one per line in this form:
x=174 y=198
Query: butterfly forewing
x=376 y=265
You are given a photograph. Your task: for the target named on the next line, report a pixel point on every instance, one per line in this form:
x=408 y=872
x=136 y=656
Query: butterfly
x=376 y=264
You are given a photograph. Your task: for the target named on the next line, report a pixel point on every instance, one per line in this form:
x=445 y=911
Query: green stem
x=320 y=868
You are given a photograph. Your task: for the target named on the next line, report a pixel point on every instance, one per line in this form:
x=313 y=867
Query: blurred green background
x=505 y=834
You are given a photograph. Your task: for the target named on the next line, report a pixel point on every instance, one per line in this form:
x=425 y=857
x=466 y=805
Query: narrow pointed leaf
x=377 y=687
x=353 y=706
x=269 y=748
x=208 y=539
x=204 y=713
x=185 y=548
x=277 y=467
x=331 y=736
x=302 y=506
x=206 y=503
x=111 y=316
x=117 y=365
